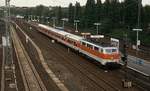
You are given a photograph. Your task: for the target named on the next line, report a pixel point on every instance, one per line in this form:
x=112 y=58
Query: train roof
x=61 y=32
x=97 y=43
x=76 y=37
x=52 y=29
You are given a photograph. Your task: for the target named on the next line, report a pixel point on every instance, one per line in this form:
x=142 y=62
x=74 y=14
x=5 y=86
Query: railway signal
x=64 y=19
x=97 y=24
x=54 y=21
x=115 y=42
x=127 y=83
x=47 y=19
x=124 y=58
x=38 y=18
x=137 y=38
x=76 y=24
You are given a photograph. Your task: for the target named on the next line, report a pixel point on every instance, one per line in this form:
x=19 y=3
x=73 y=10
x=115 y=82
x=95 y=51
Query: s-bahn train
x=102 y=53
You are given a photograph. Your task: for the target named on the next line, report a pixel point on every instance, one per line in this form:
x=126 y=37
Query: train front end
x=111 y=56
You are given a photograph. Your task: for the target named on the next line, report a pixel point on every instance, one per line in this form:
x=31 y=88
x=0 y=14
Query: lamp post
x=34 y=18
x=76 y=24
x=8 y=50
x=97 y=24
x=64 y=19
x=47 y=19
x=31 y=17
x=137 y=38
x=38 y=18
x=42 y=19
x=28 y=18
x=1 y=9
x=54 y=20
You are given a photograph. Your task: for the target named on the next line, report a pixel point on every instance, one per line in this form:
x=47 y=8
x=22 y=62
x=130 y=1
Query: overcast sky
x=51 y=2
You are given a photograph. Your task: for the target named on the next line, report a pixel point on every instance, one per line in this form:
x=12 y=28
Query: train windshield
x=109 y=51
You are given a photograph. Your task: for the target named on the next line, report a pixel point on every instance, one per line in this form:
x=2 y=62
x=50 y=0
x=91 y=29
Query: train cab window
x=114 y=50
x=96 y=48
x=75 y=44
x=108 y=51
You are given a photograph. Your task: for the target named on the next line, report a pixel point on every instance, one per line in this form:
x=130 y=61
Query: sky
x=64 y=3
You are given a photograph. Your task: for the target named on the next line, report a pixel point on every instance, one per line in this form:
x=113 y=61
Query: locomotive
x=104 y=54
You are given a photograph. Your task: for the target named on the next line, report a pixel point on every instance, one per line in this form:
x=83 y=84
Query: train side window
x=90 y=46
x=114 y=50
x=83 y=43
x=102 y=50
x=70 y=41
x=96 y=48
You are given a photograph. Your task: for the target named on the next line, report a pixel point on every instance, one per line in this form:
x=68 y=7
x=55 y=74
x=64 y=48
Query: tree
x=99 y=13
x=146 y=16
x=59 y=14
x=89 y=14
x=131 y=12
x=43 y=10
x=77 y=11
x=1 y=12
x=107 y=8
x=71 y=13
x=115 y=12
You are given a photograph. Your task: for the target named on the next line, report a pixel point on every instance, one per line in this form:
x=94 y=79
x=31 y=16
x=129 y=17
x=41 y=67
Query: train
x=103 y=54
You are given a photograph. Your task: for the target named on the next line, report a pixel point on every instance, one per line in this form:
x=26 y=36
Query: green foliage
x=115 y=17
x=146 y=40
x=71 y=13
x=98 y=11
x=74 y=13
x=146 y=16
x=1 y=12
x=89 y=13
x=77 y=11
x=59 y=14
x=131 y=12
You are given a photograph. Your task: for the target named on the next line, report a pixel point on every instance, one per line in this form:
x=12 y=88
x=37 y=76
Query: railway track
x=31 y=79
x=100 y=85
x=96 y=79
x=1 y=50
x=8 y=72
x=99 y=81
x=49 y=79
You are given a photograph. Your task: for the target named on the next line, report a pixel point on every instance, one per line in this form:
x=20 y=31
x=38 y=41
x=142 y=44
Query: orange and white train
x=103 y=54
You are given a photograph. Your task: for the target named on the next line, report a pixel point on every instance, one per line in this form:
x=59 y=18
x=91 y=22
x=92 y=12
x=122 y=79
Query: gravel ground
x=58 y=59
x=8 y=74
